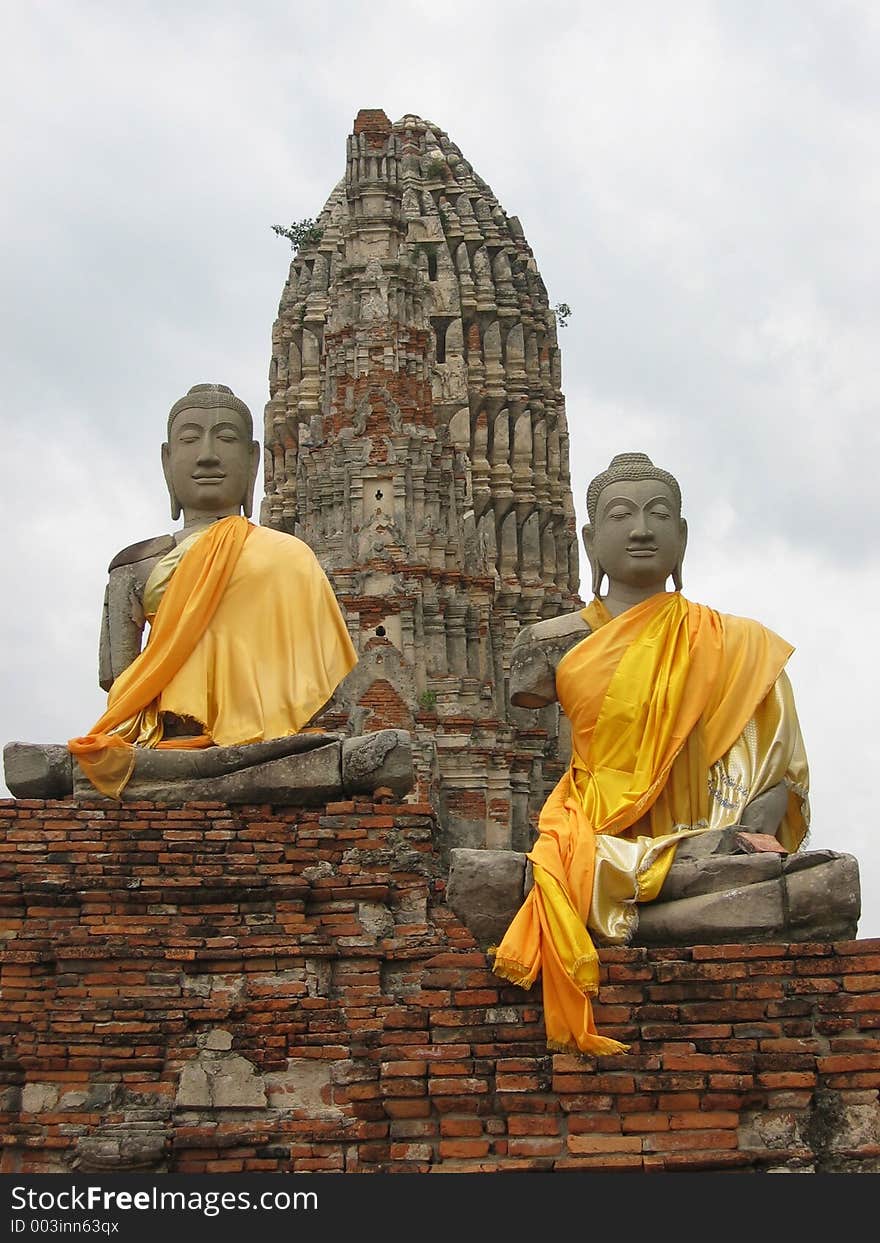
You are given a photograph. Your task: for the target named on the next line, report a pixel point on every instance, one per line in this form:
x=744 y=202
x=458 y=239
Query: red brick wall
x=375 y=124
x=318 y=942
x=386 y=709
x=411 y=395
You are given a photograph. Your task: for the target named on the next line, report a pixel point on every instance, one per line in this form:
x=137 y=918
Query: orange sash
x=106 y=754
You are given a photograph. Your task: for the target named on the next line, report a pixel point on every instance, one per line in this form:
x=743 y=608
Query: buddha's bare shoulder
x=143 y=550
x=553 y=630
x=536 y=652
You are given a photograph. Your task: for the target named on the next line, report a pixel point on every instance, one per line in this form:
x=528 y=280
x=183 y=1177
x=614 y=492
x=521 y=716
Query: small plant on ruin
x=300 y=233
x=436 y=168
x=562 y=311
x=428 y=701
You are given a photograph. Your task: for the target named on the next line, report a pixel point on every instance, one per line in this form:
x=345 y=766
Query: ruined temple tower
x=416 y=438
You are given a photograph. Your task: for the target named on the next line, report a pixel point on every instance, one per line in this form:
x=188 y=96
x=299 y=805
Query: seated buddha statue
x=683 y=728
x=246 y=640
x=246 y=645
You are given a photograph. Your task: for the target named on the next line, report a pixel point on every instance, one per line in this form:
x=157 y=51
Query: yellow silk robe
x=246 y=637
x=678 y=717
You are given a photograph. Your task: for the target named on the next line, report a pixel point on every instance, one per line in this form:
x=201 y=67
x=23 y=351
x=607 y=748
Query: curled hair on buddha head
x=212 y=397
x=627 y=466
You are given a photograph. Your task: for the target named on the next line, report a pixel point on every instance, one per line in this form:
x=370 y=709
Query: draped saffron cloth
x=246 y=638
x=655 y=697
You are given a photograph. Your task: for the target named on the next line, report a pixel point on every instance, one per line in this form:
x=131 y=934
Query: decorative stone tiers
x=209 y=989
x=416 y=438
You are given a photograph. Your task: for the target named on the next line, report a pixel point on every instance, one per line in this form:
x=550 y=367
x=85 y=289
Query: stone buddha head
x=210 y=458
x=635 y=534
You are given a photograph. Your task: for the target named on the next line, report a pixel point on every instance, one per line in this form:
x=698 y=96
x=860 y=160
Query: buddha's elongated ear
x=166 y=470
x=247 y=502
x=677 y=568
x=597 y=574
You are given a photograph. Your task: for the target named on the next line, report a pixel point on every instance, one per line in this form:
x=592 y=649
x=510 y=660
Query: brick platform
x=272 y=989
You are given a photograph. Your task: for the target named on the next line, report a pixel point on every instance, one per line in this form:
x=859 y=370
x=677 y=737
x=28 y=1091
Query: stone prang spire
x=416 y=439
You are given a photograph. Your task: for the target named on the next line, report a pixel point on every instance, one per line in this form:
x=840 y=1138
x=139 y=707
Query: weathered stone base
x=269 y=989
x=302 y=770
x=710 y=896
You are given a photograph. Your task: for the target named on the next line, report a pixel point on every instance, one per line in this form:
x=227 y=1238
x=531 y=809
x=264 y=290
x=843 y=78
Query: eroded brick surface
x=267 y=989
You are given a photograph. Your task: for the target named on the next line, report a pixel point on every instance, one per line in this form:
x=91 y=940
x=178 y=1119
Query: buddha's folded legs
x=302 y=769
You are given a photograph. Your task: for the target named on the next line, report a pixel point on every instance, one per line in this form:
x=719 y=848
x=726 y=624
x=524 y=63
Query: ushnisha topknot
x=210 y=397
x=629 y=466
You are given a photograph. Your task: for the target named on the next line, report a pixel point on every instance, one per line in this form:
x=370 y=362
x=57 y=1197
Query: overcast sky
x=699 y=181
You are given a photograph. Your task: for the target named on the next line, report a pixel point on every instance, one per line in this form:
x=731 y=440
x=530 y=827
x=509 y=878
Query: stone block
x=236 y=1084
x=375 y=919
x=383 y=758
x=711 y=896
x=690 y=877
x=304 y=1088
x=193 y=1091
x=220 y=1081
x=122 y=1147
x=217 y=1040
x=37 y=1097
x=485 y=890
x=96 y=1096
x=38 y=770
x=824 y=895
x=412 y=909
x=748 y=913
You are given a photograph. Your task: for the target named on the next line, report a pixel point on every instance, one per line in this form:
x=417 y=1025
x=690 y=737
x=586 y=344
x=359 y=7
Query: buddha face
x=639 y=536
x=210 y=462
